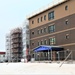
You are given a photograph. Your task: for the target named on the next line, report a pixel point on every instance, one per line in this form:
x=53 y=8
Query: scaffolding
x=16 y=44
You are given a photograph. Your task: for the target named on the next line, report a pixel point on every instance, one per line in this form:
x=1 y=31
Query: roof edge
x=47 y=8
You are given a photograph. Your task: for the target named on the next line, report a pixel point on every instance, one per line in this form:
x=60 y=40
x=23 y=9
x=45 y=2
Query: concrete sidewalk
x=37 y=68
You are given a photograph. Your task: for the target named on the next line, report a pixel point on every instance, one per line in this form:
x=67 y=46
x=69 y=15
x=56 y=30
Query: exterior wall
x=25 y=35
x=62 y=30
x=59 y=13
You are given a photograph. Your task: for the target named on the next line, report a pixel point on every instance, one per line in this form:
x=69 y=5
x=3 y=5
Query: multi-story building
x=8 y=48
x=16 y=44
x=54 y=26
x=25 y=36
x=2 y=57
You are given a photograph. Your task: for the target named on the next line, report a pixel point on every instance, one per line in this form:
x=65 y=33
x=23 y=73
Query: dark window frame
x=38 y=20
x=51 y=15
x=66 y=22
x=45 y=30
x=52 y=41
x=38 y=32
x=45 y=42
x=44 y=17
x=41 y=42
x=32 y=22
x=38 y=43
x=51 y=28
x=41 y=30
x=32 y=43
x=66 y=7
x=32 y=32
x=67 y=36
x=41 y=19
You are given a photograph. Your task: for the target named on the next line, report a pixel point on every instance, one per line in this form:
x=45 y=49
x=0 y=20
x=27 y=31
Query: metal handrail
x=66 y=59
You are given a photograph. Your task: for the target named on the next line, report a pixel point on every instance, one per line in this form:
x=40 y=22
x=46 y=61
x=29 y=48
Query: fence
x=55 y=56
x=52 y=56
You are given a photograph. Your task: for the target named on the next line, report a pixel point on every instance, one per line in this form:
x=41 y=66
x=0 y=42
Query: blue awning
x=46 y=48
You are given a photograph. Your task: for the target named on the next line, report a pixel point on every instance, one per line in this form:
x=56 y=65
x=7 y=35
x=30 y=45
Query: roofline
x=47 y=45
x=50 y=7
x=2 y=52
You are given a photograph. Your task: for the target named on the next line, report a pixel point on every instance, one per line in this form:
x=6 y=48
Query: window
x=44 y=29
x=38 y=32
x=33 y=43
x=44 y=17
x=41 y=30
x=66 y=22
x=45 y=42
x=41 y=42
x=38 y=20
x=66 y=7
x=33 y=33
x=51 y=28
x=38 y=43
x=32 y=22
x=67 y=36
x=52 y=41
x=51 y=15
x=41 y=19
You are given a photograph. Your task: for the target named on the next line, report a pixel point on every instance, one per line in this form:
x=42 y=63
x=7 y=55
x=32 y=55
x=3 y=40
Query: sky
x=13 y=14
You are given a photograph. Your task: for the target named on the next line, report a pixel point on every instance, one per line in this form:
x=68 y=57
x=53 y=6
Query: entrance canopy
x=46 y=48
